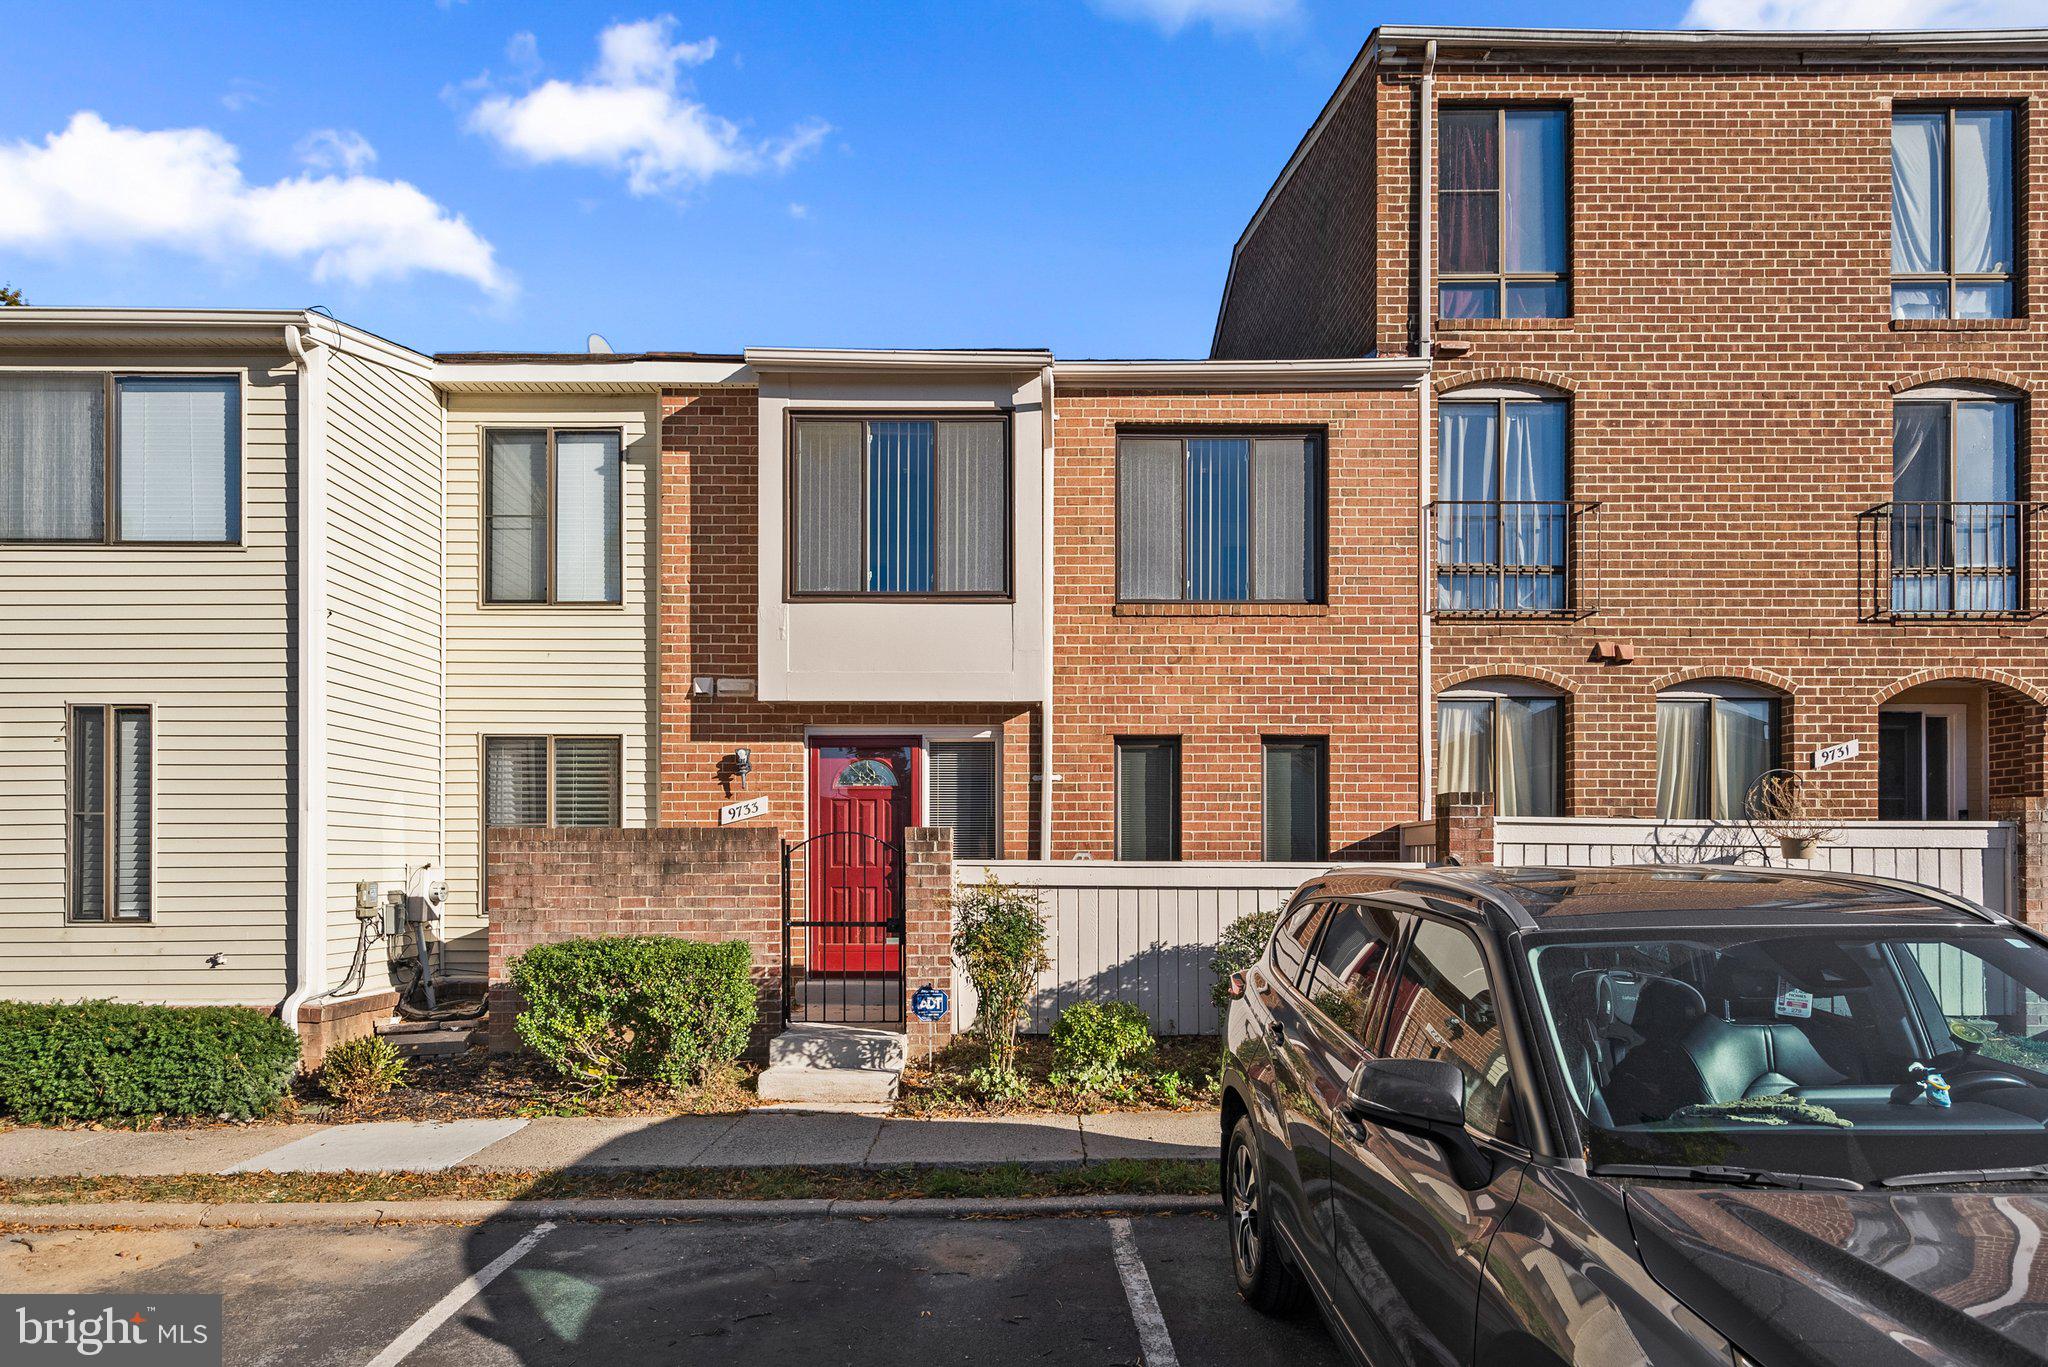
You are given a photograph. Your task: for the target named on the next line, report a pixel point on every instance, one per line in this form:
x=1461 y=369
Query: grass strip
x=1116 y=1177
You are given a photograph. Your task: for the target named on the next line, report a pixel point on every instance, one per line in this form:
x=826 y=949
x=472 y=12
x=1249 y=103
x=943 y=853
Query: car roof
x=1662 y=896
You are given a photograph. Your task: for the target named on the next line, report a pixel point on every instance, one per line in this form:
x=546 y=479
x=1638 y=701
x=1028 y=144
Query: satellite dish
x=598 y=345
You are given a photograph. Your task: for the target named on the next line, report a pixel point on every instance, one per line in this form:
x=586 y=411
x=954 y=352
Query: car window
x=1350 y=963
x=1296 y=936
x=1985 y=1011
x=1444 y=1008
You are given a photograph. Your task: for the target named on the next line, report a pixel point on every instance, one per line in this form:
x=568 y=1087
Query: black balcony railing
x=1947 y=560
x=1509 y=558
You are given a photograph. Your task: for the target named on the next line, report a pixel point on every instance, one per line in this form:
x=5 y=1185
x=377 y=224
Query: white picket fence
x=1141 y=933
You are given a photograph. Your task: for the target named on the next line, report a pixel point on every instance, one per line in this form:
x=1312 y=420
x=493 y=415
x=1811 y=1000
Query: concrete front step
x=838 y=1046
x=433 y=1043
x=833 y=1063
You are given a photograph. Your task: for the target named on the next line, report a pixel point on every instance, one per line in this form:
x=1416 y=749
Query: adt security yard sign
x=1835 y=754
x=929 y=1003
x=740 y=811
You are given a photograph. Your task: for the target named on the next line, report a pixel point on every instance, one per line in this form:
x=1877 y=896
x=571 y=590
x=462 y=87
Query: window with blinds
x=1296 y=789
x=167 y=467
x=553 y=516
x=900 y=507
x=1220 y=518
x=111 y=784
x=551 y=781
x=1148 y=798
x=961 y=778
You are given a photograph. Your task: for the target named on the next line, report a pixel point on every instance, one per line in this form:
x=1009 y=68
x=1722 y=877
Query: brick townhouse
x=1734 y=345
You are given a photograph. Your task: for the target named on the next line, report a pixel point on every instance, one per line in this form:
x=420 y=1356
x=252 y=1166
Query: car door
x=1410 y=1241
x=1279 y=1009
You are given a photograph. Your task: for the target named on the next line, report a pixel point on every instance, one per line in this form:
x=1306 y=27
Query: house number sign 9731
x=1835 y=754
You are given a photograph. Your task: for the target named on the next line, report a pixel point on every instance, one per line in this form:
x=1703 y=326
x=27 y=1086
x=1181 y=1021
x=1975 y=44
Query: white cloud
x=182 y=189
x=243 y=92
x=335 y=149
x=633 y=115
x=799 y=211
x=1867 y=14
x=1171 y=16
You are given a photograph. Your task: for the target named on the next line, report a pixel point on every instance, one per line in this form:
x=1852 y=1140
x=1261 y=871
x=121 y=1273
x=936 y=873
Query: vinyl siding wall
x=203 y=635
x=540 y=670
x=383 y=651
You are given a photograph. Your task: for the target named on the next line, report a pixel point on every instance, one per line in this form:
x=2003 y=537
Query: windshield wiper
x=1726 y=1176
x=2037 y=1173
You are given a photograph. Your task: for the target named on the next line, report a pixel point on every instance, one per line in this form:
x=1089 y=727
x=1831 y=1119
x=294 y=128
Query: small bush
x=641 y=1008
x=358 y=1069
x=1094 y=1044
x=99 y=1060
x=999 y=935
x=1237 y=949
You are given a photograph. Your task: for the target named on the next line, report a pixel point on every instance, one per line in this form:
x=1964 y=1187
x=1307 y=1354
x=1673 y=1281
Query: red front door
x=864 y=794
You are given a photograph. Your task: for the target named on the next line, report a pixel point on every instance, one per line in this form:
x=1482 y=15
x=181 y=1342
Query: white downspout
x=1425 y=254
x=1046 y=774
x=309 y=815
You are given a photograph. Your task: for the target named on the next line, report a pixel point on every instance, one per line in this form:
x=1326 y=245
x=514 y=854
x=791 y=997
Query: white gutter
x=1343 y=372
x=1046 y=773
x=501 y=377
x=1425 y=255
x=309 y=814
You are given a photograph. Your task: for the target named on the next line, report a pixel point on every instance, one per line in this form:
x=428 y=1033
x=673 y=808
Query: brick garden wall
x=701 y=883
x=1731 y=364
x=1223 y=677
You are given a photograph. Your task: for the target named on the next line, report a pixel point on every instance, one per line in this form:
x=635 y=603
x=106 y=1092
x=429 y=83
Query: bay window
x=900 y=507
x=1220 y=518
x=1952 y=212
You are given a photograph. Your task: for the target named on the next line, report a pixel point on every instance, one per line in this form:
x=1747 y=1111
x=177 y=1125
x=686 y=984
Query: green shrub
x=635 y=1008
x=999 y=935
x=1237 y=949
x=1094 y=1044
x=99 y=1060
x=358 y=1069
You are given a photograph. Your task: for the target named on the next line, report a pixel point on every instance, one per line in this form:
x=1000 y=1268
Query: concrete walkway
x=772 y=1137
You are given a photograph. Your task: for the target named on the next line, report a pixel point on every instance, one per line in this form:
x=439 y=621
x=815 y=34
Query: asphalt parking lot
x=816 y=1292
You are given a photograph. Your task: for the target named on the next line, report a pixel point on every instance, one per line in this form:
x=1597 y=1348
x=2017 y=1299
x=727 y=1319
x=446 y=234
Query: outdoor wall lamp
x=743 y=764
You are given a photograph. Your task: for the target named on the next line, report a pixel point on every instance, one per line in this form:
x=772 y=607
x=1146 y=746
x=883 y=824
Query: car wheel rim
x=1244 y=1211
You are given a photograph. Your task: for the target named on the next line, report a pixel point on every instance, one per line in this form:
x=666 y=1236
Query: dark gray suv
x=1676 y=1115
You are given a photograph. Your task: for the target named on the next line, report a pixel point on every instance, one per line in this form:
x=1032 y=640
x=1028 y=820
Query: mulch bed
x=1182 y=1075
x=479 y=1085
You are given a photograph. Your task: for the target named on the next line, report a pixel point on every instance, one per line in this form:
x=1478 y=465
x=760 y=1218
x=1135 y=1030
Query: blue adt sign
x=929 y=1004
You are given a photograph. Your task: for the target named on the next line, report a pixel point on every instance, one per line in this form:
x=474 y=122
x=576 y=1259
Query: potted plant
x=1783 y=806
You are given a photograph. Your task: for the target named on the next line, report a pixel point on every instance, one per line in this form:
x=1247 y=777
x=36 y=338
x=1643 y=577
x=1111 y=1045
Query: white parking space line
x=1153 y=1340
x=441 y=1310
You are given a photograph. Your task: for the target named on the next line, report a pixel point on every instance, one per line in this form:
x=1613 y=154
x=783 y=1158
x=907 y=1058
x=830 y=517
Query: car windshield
x=1858 y=1053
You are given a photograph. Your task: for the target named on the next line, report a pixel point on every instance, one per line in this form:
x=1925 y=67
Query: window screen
x=963 y=794
x=1295 y=792
x=1148 y=799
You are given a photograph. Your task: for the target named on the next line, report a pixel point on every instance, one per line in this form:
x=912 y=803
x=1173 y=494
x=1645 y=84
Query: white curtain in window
x=973 y=540
x=1919 y=171
x=1920 y=521
x=132 y=779
x=518 y=478
x=516 y=781
x=52 y=457
x=1149 y=473
x=179 y=458
x=1681 y=759
x=1526 y=745
x=1744 y=750
x=1535 y=190
x=588 y=488
x=586 y=781
x=1983 y=175
x=1464 y=745
x=1468 y=531
x=1986 y=537
x=1532 y=473
x=830 y=498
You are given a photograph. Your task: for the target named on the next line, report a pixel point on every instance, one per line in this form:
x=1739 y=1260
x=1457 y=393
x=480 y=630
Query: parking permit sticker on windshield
x=1793 y=1002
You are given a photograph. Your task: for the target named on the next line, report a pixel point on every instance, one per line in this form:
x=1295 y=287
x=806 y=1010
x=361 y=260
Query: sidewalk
x=771 y=1137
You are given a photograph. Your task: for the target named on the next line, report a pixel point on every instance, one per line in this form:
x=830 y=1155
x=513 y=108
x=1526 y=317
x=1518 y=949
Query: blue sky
x=482 y=174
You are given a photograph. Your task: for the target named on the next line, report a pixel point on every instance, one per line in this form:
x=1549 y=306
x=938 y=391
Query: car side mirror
x=1424 y=1097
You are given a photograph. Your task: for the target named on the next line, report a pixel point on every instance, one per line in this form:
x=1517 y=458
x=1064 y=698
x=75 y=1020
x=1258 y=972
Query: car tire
x=1267 y=1282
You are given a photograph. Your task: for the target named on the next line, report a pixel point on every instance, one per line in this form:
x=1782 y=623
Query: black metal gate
x=850 y=970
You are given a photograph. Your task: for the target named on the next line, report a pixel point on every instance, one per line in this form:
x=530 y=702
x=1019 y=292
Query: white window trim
x=1961 y=749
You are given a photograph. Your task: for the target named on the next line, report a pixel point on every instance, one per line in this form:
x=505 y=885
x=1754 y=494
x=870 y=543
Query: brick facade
x=1731 y=366
x=928 y=933
x=1220 y=678
x=701 y=883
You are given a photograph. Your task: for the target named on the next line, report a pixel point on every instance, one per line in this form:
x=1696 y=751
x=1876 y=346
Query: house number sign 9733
x=740 y=811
